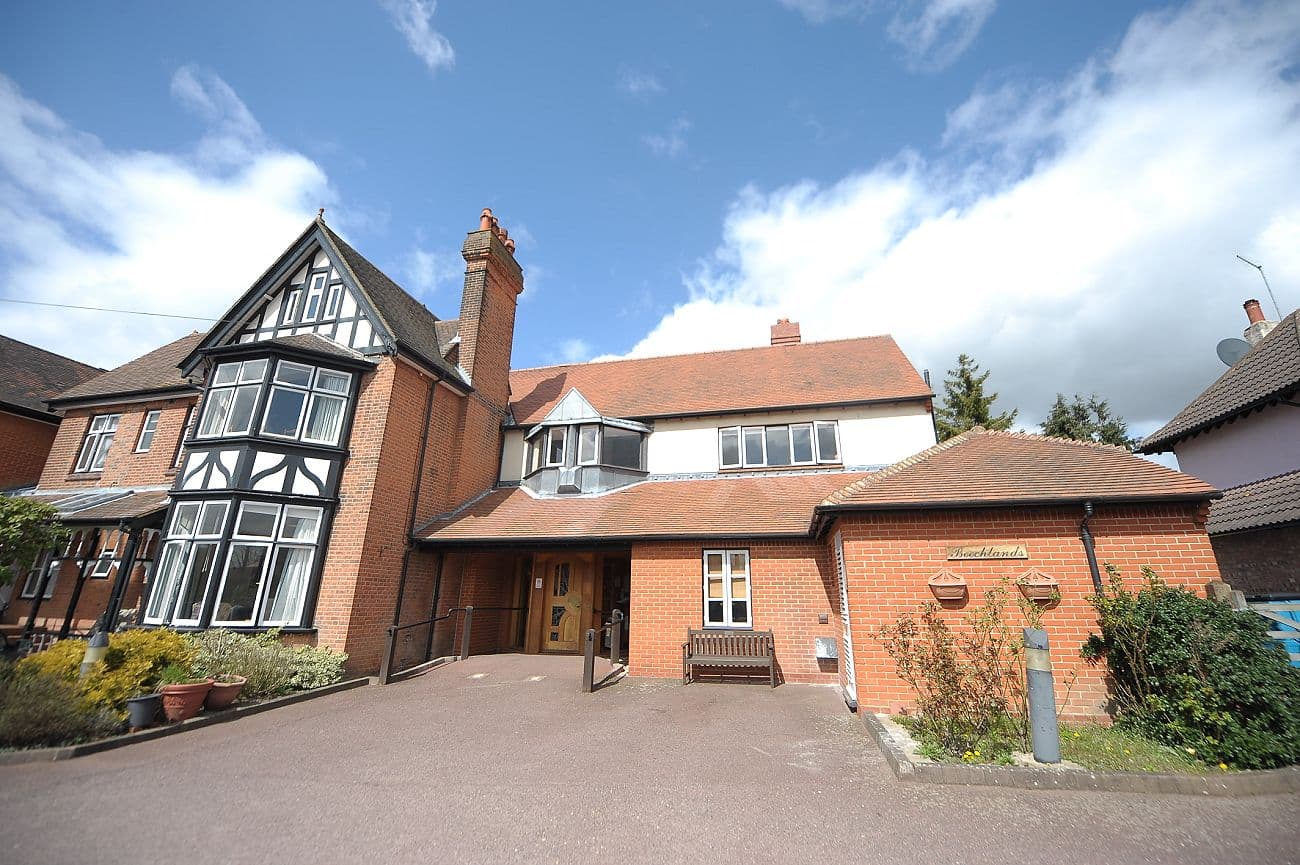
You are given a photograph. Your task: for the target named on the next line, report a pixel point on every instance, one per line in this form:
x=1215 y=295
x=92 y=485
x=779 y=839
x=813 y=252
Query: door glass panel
x=561 y=581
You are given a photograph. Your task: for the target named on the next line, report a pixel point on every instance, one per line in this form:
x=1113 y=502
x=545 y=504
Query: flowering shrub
x=271 y=667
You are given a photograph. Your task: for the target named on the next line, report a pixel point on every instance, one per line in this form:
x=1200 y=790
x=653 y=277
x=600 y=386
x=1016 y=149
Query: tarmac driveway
x=501 y=759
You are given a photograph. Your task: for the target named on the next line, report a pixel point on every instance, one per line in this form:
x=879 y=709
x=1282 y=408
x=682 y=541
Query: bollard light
x=96 y=648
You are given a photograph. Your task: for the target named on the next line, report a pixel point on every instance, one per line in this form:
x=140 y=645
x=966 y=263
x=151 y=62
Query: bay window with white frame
x=306 y=403
x=810 y=443
x=185 y=565
x=727 y=589
x=268 y=565
x=232 y=398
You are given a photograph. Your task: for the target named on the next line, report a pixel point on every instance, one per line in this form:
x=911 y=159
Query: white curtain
x=288 y=586
x=326 y=418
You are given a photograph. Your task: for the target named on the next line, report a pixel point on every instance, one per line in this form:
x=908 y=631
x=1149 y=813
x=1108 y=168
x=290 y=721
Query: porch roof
x=104 y=506
x=746 y=506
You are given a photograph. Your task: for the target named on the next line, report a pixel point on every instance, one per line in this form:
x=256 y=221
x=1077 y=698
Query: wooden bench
x=716 y=648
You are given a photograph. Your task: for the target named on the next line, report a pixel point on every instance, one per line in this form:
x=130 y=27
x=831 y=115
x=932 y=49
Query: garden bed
x=242 y=710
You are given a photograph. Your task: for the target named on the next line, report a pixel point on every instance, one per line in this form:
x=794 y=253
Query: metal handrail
x=390 y=650
x=614 y=627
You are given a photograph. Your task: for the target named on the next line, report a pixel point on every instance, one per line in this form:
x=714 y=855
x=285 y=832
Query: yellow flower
x=1076 y=734
x=1191 y=751
x=1223 y=766
x=1127 y=751
x=977 y=753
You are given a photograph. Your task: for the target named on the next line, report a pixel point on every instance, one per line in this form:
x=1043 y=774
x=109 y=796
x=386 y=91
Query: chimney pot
x=510 y=245
x=1253 y=311
x=485 y=219
x=786 y=332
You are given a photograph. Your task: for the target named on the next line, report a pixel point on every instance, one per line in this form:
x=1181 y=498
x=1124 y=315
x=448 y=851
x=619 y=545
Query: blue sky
x=1057 y=190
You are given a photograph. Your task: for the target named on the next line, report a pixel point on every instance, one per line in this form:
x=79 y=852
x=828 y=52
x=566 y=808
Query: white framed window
x=147 y=431
x=289 y=310
x=228 y=408
x=620 y=447
x=588 y=445
x=108 y=556
x=335 y=295
x=727 y=589
x=306 y=403
x=99 y=438
x=185 y=567
x=556 y=439
x=48 y=564
x=533 y=453
x=268 y=566
x=795 y=444
x=315 y=297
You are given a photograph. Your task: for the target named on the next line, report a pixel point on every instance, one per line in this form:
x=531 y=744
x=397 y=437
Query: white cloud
x=426 y=270
x=671 y=143
x=184 y=232
x=934 y=33
x=636 y=83
x=1089 y=248
x=572 y=351
x=821 y=11
x=414 y=20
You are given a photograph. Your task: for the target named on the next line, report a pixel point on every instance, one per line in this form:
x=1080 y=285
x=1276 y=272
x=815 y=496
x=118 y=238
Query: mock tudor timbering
x=354 y=463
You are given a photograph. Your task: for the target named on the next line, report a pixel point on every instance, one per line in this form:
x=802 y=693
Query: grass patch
x=1113 y=750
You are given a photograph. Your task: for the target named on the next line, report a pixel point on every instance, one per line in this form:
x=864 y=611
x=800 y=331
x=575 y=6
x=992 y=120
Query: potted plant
x=225 y=689
x=182 y=693
x=142 y=709
x=947 y=586
x=1037 y=586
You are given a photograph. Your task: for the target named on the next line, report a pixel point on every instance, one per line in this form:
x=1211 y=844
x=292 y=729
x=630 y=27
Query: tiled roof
x=29 y=375
x=812 y=373
x=104 y=505
x=1000 y=468
x=310 y=342
x=1266 y=502
x=775 y=505
x=409 y=321
x=1269 y=370
x=156 y=371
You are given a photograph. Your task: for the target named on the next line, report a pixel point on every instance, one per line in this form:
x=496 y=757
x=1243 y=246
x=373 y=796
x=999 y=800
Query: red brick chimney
x=786 y=332
x=493 y=282
x=1258 y=326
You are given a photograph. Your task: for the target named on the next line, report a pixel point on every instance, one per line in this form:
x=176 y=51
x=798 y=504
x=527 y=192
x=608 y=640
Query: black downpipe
x=437 y=596
x=415 y=503
x=1086 y=535
x=124 y=569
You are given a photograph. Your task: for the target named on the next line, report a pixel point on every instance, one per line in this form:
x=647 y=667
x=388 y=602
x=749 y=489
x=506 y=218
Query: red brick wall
x=890 y=557
x=123 y=466
x=791 y=583
x=24 y=444
x=1262 y=561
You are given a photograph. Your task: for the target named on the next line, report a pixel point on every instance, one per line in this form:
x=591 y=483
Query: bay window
x=99 y=438
x=185 y=566
x=727 y=589
x=228 y=408
x=268 y=566
x=306 y=403
x=796 y=444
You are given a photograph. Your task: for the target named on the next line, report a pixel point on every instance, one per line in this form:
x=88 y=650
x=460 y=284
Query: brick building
x=332 y=459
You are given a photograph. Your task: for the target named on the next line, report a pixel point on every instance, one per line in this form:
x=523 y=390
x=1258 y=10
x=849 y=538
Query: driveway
x=500 y=759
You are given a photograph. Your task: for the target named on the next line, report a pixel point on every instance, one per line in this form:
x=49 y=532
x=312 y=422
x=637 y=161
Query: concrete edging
x=68 y=752
x=1261 y=782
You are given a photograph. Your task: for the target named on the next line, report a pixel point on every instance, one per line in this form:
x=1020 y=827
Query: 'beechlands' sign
x=989 y=551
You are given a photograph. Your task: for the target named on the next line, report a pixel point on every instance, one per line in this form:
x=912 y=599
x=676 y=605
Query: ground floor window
x=262 y=564
x=726 y=589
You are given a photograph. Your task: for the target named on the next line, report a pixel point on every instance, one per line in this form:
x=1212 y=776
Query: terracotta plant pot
x=1037 y=586
x=142 y=711
x=182 y=702
x=947 y=586
x=225 y=689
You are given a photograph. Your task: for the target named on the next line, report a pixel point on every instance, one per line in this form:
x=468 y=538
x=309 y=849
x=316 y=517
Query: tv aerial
x=1231 y=350
x=1260 y=268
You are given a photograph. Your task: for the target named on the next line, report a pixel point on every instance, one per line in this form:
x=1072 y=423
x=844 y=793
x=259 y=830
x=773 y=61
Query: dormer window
x=556 y=437
x=779 y=445
x=596 y=445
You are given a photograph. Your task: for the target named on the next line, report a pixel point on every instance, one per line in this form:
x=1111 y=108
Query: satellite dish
x=1231 y=350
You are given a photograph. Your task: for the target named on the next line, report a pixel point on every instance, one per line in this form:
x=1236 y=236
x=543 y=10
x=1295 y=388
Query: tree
x=1087 y=421
x=27 y=528
x=964 y=403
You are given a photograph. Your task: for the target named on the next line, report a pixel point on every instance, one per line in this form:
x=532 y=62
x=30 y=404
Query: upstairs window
x=147 y=430
x=796 y=444
x=556 y=437
x=99 y=438
x=315 y=297
x=228 y=409
x=306 y=403
x=593 y=445
x=621 y=448
x=726 y=589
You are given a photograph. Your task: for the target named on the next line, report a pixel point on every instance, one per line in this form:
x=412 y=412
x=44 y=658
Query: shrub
x=1195 y=674
x=131 y=665
x=40 y=709
x=271 y=667
x=316 y=667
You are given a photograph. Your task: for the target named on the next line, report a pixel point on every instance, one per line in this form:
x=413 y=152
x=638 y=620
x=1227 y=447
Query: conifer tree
x=1088 y=420
x=965 y=404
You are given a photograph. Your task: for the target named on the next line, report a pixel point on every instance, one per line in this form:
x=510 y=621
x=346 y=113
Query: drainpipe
x=1086 y=535
x=437 y=595
x=415 y=502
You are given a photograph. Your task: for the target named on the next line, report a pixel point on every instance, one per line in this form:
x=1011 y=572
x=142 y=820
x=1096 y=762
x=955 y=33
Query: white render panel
x=322 y=260
x=263 y=460
x=874 y=435
x=347 y=305
x=274 y=482
x=317 y=472
x=361 y=338
x=1262 y=445
x=512 y=456
x=193 y=479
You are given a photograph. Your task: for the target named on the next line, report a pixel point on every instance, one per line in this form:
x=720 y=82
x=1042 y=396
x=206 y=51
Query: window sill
x=708 y=627
x=238 y=629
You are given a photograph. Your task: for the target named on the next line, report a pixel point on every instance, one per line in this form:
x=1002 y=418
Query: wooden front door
x=562 y=608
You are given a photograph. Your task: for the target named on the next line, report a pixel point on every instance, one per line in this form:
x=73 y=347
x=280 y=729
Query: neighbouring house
x=1242 y=434
x=343 y=465
x=29 y=376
